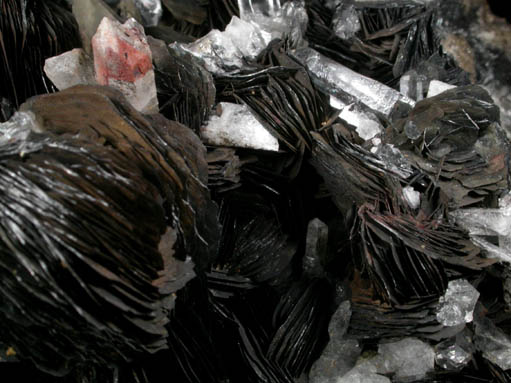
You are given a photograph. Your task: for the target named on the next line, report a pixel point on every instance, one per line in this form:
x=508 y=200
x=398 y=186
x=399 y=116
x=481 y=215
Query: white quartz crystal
x=412 y=197
x=70 y=68
x=437 y=87
x=237 y=126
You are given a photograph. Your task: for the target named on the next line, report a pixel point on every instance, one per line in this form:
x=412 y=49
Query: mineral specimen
x=349 y=86
x=236 y=126
x=458 y=303
x=123 y=60
x=493 y=343
x=70 y=68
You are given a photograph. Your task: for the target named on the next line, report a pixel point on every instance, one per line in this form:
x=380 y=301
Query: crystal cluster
x=458 y=303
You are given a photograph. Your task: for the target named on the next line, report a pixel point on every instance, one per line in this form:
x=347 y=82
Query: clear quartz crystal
x=349 y=86
x=413 y=85
x=481 y=222
x=237 y=126
x=451 y=356
x=458 y=303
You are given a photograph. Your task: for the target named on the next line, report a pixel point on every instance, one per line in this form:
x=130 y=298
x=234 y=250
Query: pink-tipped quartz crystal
x=123 y=60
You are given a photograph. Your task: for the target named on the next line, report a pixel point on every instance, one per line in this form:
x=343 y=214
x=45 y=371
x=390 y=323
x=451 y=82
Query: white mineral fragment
x=437 y=87
x=237 y=126
x=71 y=68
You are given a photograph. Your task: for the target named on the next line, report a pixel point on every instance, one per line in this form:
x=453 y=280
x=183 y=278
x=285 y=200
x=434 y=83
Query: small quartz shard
x=236 y=126
x=315 y=248
x=458 y=303
x=123 y=60
x=349 y=86
x=70 y=68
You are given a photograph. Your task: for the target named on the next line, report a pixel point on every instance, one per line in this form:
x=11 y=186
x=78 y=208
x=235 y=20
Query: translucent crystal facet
x=493 y=343
x=480 y=222
x=452 y=356
x=70 y=68
x=349 y=86
x=458 y=303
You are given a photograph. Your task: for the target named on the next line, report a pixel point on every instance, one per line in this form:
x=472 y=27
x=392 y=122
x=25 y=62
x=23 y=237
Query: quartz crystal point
x=123 y=60
x=349 y=86
x=458 y=303
x=236 y=126
x=454 y=354
x=70 y=68
x=480 y=222
x=413 y=85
